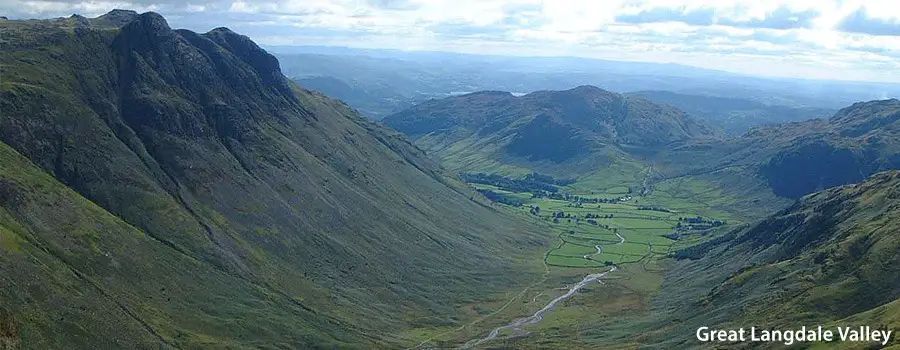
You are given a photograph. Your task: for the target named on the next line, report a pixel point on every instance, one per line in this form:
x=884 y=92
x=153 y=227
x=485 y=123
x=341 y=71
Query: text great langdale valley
x=789 y=337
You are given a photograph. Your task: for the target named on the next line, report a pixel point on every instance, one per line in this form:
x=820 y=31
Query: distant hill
x=794 y=159
x=163 y=188
x=416 y=76
x=545 y=129
x=376 y=87
x=830 y=259
x=373 y=101
x=734 y=115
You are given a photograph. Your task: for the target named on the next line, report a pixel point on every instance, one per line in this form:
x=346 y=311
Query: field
x=626 y=230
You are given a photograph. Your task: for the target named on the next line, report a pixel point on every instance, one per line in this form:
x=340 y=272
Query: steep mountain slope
x=167 y=187
x=547 y=130
x=831 y=256
x=794 y=159
x=734 y=115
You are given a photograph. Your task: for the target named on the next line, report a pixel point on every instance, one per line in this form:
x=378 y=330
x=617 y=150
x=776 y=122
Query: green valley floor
x=610 y=227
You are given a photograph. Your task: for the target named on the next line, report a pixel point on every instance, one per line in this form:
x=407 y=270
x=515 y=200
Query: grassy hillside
x=830 y=256
x=794 y=159
x=170 y=187
x=77 y=276
x=566 y=133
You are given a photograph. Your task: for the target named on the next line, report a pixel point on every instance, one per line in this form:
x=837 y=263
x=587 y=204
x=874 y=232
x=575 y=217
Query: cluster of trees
x=561 y=214
x=526 y=184
x=655 y=209
x=673 y=236
x=500 y=198
x=577 y=199
x=548 y=179
x=698 y=223
x=589 y=217
x=535 y=210
x=592 y=220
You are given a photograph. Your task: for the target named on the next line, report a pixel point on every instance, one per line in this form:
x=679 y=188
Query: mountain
x=375 y=86
x=794 y=159
x=165 y=188
x=734 y=115
x=830 y=259
x=548 y=130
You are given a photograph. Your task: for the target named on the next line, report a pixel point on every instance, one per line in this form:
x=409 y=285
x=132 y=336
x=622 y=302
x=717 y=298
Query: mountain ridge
x=734 y=115
x=798 y=158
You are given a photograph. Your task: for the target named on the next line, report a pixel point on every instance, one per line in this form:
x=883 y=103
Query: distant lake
x=456 y=93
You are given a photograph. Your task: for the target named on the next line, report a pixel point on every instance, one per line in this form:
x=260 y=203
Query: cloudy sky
x=828 y=39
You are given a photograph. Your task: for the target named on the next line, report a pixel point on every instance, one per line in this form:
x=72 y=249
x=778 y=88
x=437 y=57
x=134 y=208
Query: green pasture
x=643 y=230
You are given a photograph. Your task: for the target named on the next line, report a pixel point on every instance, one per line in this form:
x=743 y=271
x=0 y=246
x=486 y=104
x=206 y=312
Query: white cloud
x=809 y=38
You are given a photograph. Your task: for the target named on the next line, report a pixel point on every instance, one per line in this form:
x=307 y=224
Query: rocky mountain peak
x=119 y=17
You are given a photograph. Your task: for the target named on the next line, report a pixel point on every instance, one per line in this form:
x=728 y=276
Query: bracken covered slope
x=164 y=187
x=831 y=258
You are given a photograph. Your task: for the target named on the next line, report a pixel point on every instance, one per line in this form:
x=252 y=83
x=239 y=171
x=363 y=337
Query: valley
x=623 y=183
x=165 y=188
x=631 y=302
x=611 y=244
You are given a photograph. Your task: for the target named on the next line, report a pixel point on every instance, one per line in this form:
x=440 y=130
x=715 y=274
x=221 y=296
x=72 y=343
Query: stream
x=538 y=316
